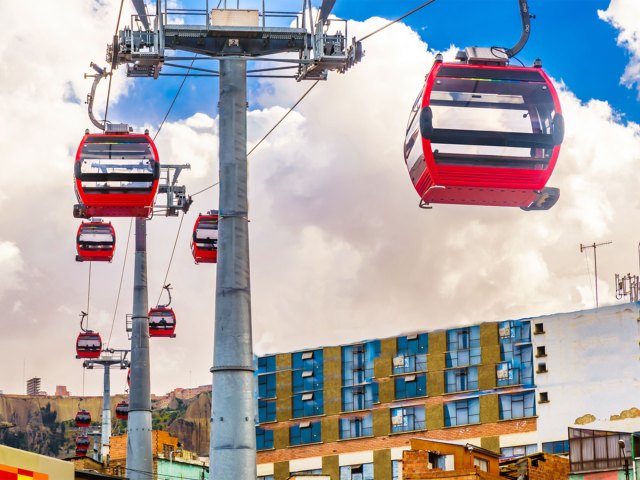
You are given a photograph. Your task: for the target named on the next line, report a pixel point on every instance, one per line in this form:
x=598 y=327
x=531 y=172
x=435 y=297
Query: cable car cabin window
x=96 y=237
x=118 y=165
x=206 y=235
x=502 y=121
x=162 y=320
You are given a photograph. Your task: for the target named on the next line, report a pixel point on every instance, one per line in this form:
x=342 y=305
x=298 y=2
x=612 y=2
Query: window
x=559 y=447
x=519 y=451
x=357 y=363
x=544 y=397
x=360 y=397
x=541 y=351
x=264 y=439
x=542 y=367
x=308 y=404
x=267 y=364
x=266 y=411
x=396 y=469
x=303 y=433
x=461 y=379
x=357 y=472
x=463 y=347
x=411 y=354
x=267 y=385
x=520 y=358
x=315 y=471
x=517 y=331
x=517 y=405
x=411 y=386
x=407 y=419
x=538 y=328
x=266 y=477
x=307 y=371
x=356 y=427
x=462 y=412
x=481 y=463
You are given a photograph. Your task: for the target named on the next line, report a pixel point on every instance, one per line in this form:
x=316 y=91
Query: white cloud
x=339 y=249
x=625 y=16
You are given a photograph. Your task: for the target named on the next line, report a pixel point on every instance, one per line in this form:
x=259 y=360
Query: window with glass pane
x=396 y=467
x=266 y=411
x=357 y=472
x=301 y=434
x=315 y=471
x=407 y=419
x=411 y=386
x=267 y=364
x=308 y=371
x=357 y=363
x=461 y=379
x=517 y=405
x=308 y=404
x=266 y=477
x=463 y=347
x=356 y=427
x=411 y=354
x=519 y=451
x=264 y=439
x=462 y=412
x=360 y=397
x=559 y=447
x=267 y=385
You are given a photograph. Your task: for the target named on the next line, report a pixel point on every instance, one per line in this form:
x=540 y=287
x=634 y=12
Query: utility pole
x=595 y=261
x=139 y=461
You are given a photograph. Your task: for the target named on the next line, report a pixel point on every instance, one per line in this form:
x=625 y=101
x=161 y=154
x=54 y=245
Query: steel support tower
x=139 y=460
x=108 y=359
x=232 y=36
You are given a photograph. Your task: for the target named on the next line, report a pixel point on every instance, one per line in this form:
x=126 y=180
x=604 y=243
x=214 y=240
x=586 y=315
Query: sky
x=340 y=251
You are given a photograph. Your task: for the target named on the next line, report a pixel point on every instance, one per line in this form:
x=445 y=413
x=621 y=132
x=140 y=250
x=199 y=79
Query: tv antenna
x=595 y=261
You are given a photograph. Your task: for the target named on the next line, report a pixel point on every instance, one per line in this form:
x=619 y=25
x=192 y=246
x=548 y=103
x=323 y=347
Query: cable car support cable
x=398 y=19
x=106 y=110
x=124 y=264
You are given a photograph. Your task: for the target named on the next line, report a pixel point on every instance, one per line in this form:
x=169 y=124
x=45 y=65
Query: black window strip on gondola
x=491 y=139
x=116 y=139
x=497 y=105
x=117 y=177
x=491 y=74
x=490 y=161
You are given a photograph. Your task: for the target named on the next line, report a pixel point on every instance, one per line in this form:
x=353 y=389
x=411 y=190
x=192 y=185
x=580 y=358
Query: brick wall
x=553 y=467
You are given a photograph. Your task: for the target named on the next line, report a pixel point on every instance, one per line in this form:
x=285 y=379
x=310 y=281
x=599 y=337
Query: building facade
x=511 y=387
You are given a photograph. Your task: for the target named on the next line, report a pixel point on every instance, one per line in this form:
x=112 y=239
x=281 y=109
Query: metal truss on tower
x=322 y=43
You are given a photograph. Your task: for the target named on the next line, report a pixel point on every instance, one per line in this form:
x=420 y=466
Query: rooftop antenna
x=595 y=261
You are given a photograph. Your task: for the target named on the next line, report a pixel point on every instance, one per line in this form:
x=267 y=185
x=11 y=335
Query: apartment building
x=510 y=387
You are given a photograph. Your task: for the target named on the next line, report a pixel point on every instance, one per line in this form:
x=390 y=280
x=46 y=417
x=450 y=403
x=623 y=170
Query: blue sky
x=573 y=43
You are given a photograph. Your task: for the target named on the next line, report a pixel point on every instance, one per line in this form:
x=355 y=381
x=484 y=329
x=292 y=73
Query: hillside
x=45 y=424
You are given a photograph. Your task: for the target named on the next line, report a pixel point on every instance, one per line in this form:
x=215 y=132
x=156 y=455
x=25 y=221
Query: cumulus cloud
x=340 y=250
x=625 y=16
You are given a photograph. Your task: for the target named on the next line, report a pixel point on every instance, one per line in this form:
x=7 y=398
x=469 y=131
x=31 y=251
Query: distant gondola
x=95 y=241
x=83 y=419
x=88 y=345
x=116 y=175
x=485 y=133
x=82 y=445
x=162 y=322
x=204 y=242
x=122 y=410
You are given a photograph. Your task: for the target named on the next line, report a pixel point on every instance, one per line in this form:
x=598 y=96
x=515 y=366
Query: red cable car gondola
x=88 y=345
x=82 y=445
x=204 y=242
x=485 y=133
x=83 y=419
x=116 y=175
x=162 y=322
x=122 y=410
x=95 y=241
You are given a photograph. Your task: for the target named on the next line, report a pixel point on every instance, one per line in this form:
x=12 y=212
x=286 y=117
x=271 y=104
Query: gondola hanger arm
x=525 y=17
x=100 y=74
